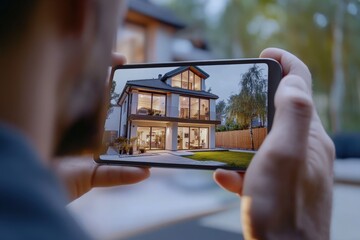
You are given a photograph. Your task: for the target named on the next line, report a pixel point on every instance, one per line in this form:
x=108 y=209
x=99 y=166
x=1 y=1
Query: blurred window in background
x=131 y=41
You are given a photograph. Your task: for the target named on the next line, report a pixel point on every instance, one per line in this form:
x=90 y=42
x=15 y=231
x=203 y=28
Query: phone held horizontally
x=201 y=115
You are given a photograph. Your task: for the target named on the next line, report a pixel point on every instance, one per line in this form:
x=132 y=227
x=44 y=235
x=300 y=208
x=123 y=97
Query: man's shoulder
x=32 y=203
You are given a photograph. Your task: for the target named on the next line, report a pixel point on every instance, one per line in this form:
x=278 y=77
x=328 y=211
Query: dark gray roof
x=157 y=84
x=157 y=12
x=182 y=69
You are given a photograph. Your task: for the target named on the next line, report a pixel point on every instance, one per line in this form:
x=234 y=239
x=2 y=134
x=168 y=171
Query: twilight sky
x=224 y=79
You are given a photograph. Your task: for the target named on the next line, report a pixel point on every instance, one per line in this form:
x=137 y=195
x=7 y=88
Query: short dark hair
x=14 y=16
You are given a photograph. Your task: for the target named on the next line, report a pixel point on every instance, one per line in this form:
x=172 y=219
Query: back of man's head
x=53 y=62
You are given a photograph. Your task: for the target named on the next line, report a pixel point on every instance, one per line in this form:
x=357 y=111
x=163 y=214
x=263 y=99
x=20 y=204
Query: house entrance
x=152 y=138
x=193 y=138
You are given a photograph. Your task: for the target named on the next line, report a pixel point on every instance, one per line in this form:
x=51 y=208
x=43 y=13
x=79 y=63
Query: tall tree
x=338 y=84
x=113 y=98
x=250 y=103
x=309 y=29
x=220 y=110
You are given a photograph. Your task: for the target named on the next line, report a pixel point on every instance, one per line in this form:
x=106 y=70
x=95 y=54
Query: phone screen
x=193 y=115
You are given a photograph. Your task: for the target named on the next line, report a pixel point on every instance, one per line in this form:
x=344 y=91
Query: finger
x=229 y=180
x=118 y=59
x=290 y=63
x=107 y=175
x=288 y=138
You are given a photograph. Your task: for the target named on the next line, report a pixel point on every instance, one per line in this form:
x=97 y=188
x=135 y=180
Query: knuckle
x=294 y=92
x=284 y=154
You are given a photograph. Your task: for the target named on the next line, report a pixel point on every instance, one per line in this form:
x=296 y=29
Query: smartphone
x=199 y=114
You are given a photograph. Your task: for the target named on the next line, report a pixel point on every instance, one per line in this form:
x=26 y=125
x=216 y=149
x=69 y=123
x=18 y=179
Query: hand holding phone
x=287 y=189
x=203 y=115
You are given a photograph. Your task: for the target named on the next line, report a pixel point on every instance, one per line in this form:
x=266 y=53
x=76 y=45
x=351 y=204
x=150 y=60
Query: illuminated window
x=197 y=85
x=151 y=104
x=176 y=81
x=187 y=80
x=194 y=108
x=184 y=107
x=151 y=137
x=191 y=80
x=204 y=109
x=192 y=138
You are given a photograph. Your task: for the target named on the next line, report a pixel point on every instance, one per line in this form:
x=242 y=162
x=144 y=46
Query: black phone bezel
x=274 y=76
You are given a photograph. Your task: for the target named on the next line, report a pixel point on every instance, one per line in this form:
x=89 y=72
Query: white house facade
x=172 y=112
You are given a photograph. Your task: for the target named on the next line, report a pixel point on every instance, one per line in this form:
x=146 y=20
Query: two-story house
x=172 y=112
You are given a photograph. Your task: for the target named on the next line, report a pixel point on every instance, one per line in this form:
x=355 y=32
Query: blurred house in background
x=152 y=33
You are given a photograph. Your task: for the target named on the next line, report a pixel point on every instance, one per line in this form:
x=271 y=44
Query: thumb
x=272 y=177
x=288 y=138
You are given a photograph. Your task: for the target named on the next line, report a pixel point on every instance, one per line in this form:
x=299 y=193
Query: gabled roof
x=179 y=70
x=157 y=84
x=156 y=12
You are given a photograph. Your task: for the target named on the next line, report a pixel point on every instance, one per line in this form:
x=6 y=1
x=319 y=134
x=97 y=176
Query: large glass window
x=151 y=104
x=176 y=81
x=194 y=108
x=184 y=107
x=158 y=105
x=143 y=134
x=204 y=109
x=204 y=137
x=183 y=138
x=188 y=80
x=197 y=85
x=191 y=80
x=193 y=138
x=155 y=140
x=144 y=106
x=185 y=80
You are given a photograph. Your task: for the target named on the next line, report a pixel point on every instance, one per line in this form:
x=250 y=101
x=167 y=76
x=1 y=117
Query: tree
x=113 y=98
x=338 y=85
x=220 y=110
x=250 y=103
x=323 y=33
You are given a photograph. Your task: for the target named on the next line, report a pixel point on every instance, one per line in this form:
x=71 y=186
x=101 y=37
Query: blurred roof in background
x=154 y=33
x=156 y=12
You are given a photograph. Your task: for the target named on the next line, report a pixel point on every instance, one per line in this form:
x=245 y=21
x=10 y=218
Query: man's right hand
x=287 y=189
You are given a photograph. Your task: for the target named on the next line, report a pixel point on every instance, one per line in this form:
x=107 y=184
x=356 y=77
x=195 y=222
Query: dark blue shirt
x=32 y=203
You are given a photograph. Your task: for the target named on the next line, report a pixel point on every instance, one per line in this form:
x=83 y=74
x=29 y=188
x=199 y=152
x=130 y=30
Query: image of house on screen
x=173 y=111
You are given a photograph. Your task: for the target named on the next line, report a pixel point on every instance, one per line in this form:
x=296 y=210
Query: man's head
x=56 y=54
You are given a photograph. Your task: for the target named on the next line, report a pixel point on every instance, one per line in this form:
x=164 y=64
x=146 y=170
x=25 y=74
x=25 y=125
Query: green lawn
x=235 y=159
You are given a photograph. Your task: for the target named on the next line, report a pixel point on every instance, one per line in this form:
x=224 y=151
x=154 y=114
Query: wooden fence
x=240 y=138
